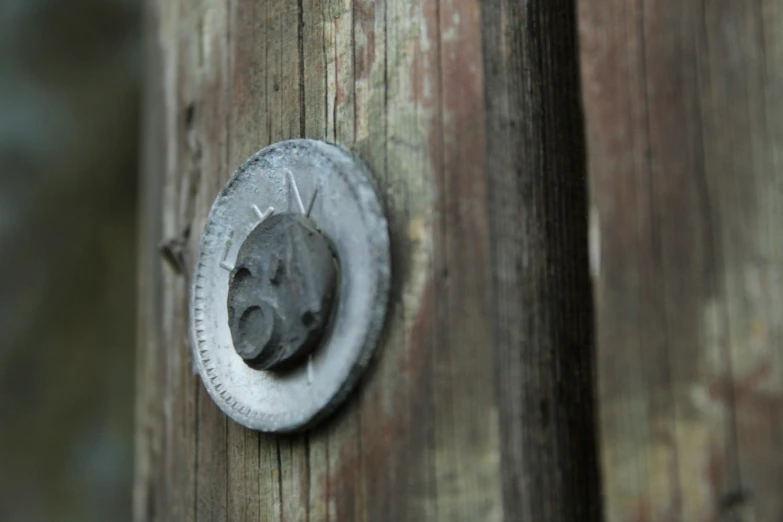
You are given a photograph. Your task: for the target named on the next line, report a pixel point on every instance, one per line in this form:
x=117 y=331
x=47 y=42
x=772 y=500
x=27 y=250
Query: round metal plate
x=285 y=177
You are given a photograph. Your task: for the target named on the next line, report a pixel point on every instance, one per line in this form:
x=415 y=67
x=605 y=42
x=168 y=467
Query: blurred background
x=69 y=86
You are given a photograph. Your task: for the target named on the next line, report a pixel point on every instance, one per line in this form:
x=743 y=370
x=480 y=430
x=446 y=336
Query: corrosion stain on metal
x=343 y=205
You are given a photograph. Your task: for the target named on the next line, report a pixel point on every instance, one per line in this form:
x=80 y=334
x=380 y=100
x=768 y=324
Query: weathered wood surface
x=684 y=126
x=479 y=406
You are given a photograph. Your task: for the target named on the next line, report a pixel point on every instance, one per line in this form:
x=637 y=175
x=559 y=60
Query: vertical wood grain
x=683 y=131
x=542 y=302
x=478 y=405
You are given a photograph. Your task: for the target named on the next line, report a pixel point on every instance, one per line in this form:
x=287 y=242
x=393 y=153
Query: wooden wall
x=522 y=149
x=479 y=406
x=684 y=122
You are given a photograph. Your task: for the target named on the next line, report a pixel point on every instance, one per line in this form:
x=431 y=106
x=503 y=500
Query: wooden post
x=684 y=125
x=479 y=406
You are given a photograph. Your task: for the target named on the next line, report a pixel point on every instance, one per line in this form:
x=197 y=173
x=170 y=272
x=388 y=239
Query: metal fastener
x=281 y=291
x=287 y=303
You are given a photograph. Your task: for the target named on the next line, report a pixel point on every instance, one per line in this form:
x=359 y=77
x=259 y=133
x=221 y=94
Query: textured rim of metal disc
x=348 y=210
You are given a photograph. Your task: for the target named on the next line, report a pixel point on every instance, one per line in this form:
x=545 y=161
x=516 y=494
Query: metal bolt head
x=281 y=291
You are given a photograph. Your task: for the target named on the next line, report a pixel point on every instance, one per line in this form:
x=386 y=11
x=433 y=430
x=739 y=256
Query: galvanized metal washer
x=284 y=177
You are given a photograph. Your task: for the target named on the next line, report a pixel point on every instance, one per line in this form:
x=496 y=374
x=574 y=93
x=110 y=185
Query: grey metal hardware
x=288 y=300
